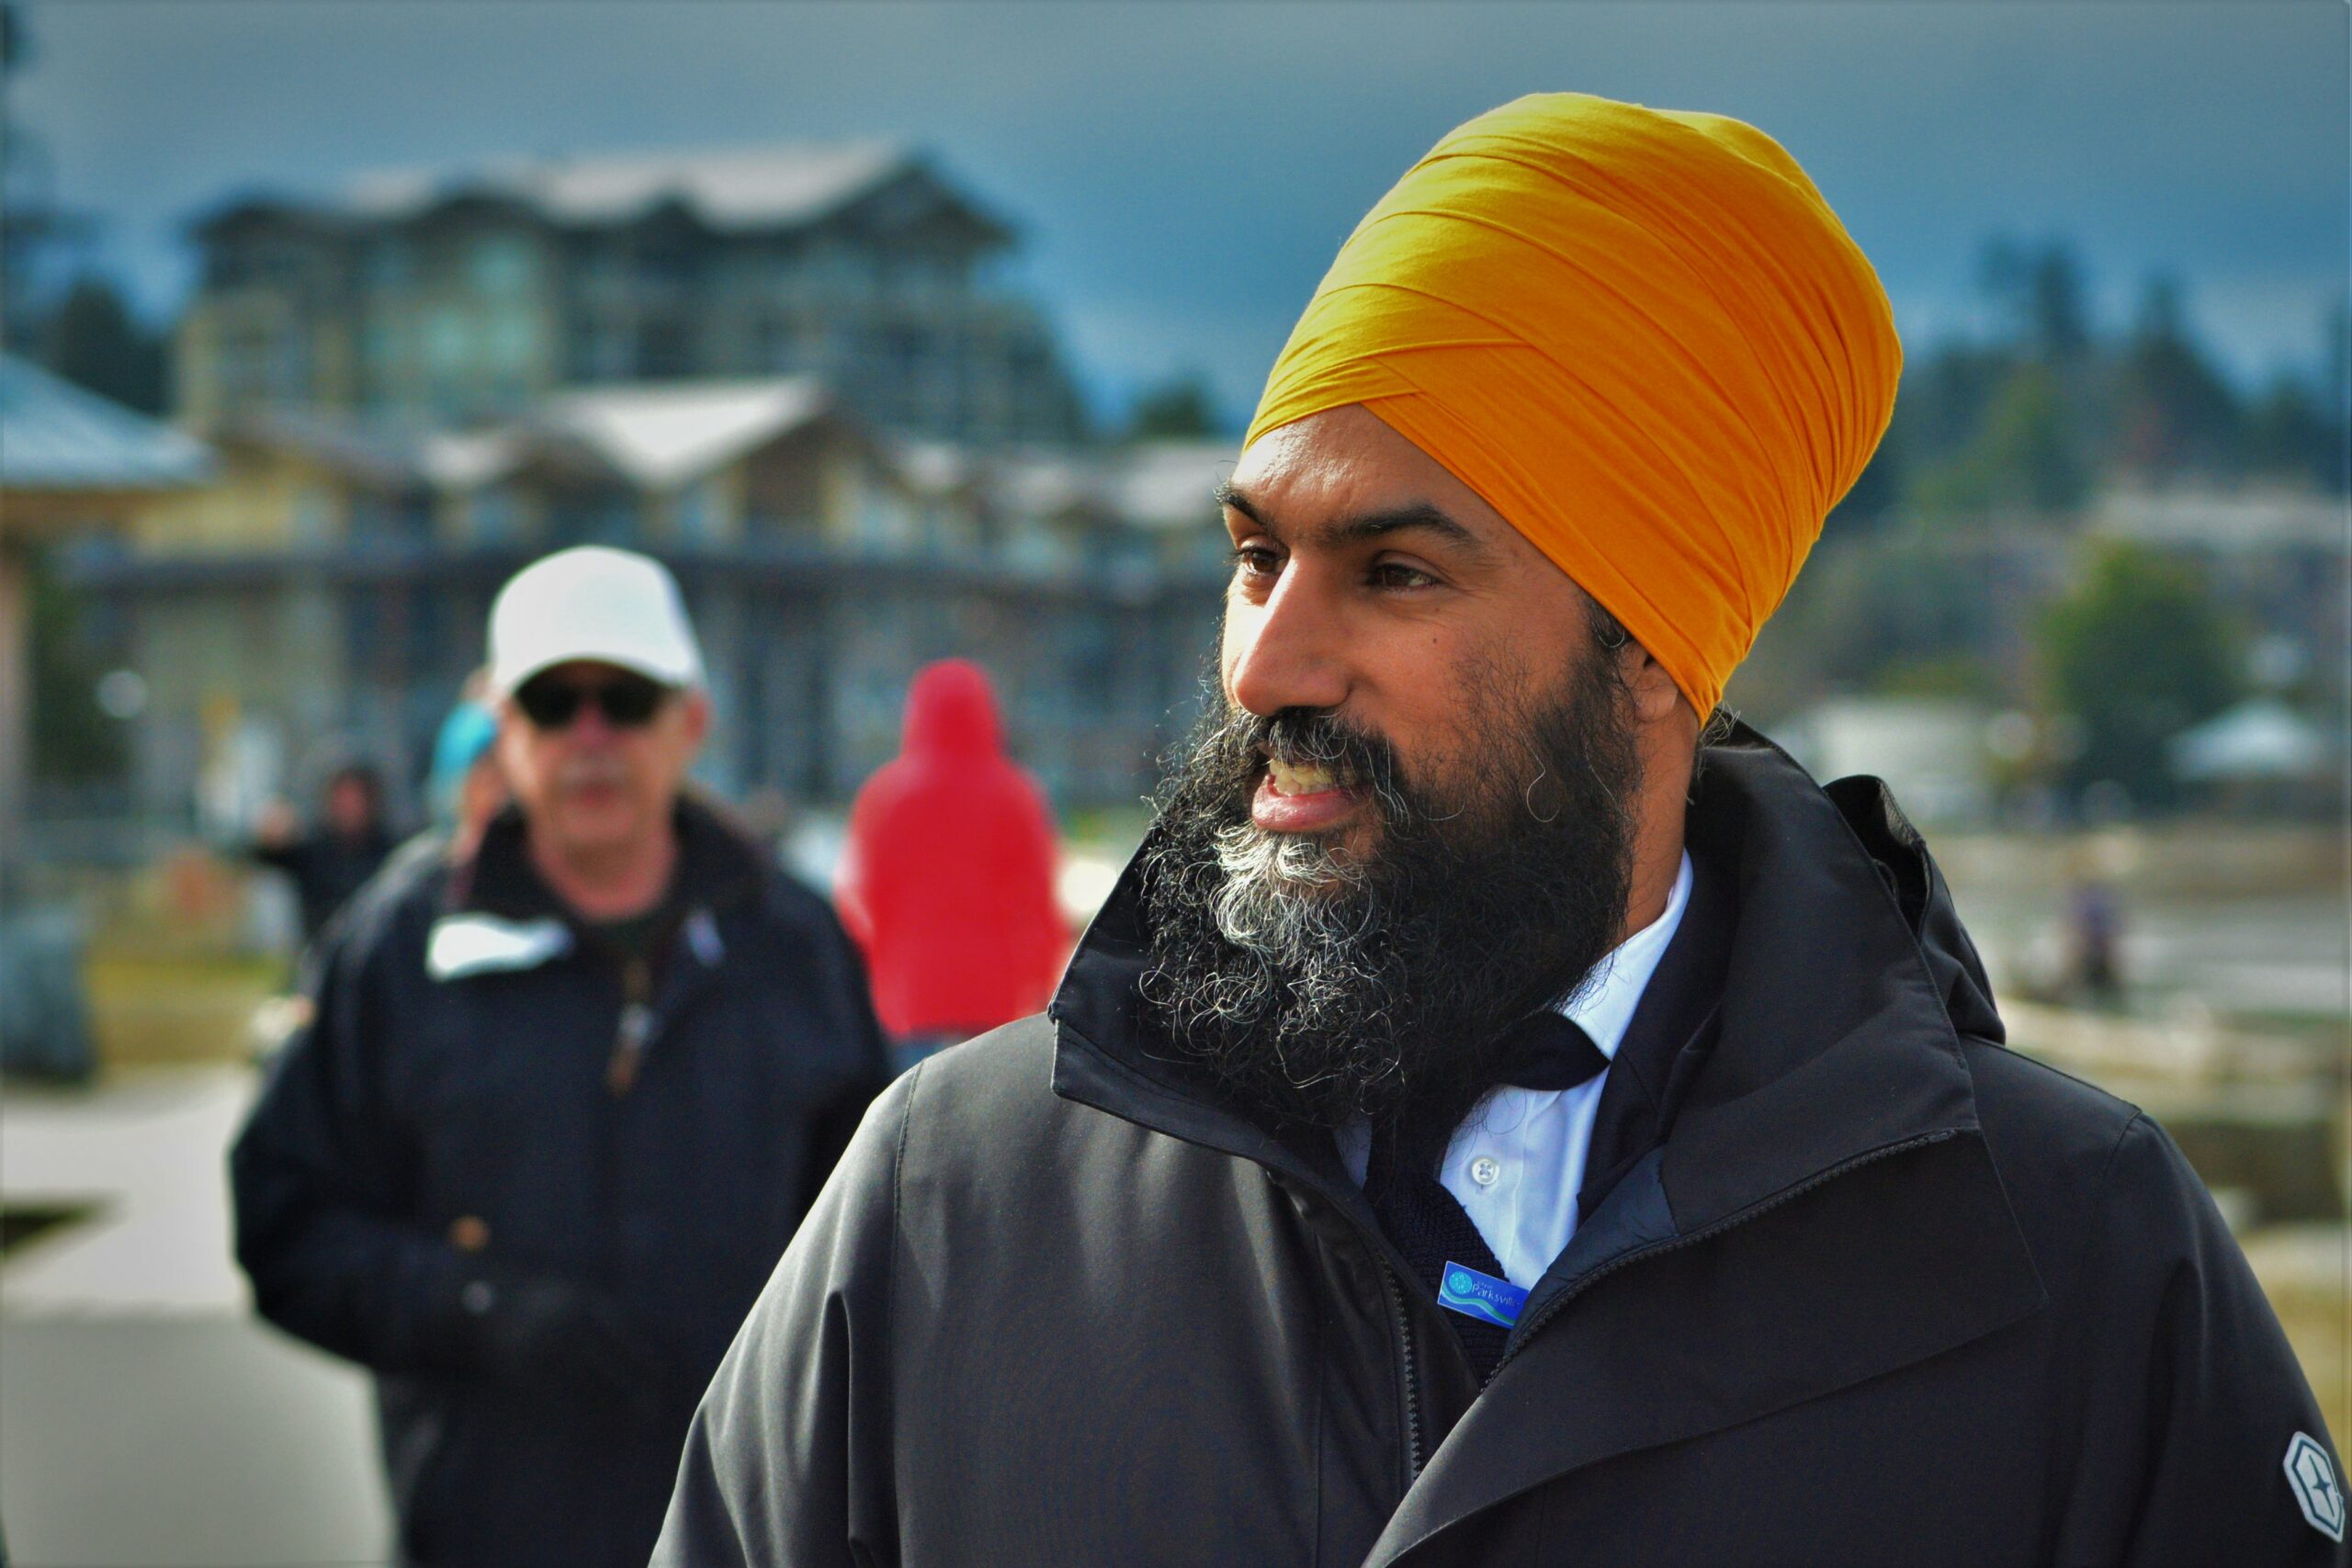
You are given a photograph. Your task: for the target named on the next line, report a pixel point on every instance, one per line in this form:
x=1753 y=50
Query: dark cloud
x=1186 y=171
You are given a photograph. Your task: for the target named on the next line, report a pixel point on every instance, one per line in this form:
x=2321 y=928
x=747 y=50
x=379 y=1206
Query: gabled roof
x=470 y=458
x=2261 y=738
x=343 y=445
x=1171 y=485
x=771 y=187
x=2251 y=517
x=55 y=435
x=1158 y=486
x=662 y=436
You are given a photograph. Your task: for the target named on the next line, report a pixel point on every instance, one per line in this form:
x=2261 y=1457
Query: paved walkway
x=146 y=1420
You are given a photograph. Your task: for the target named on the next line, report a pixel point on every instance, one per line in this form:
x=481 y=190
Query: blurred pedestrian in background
x=948 y=882
x=466 y=787
x=2095 y=939
x=329 y=860
x=562 y=1103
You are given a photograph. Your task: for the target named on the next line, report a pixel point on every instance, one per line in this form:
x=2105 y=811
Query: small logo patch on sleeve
x=2312 y=1475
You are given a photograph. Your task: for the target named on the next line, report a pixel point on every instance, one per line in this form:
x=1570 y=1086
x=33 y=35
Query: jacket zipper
x=1553 y=1307
x=1412 y=1372
x=636 y=1028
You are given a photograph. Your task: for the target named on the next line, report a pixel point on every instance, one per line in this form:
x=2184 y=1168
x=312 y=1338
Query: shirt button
x=1483 y=1169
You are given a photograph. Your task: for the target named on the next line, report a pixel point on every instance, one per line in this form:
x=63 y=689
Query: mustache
x=592 y=772
x=1312 y=737
x=1235 y=750
x=1354 y=757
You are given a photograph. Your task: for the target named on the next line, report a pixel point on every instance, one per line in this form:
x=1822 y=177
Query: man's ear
x=697 y=717
x=1651 y=690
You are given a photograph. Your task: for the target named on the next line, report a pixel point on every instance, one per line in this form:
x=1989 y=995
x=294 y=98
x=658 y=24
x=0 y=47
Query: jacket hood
x=1923 y=899
x=1848 y=981
x=951 y=712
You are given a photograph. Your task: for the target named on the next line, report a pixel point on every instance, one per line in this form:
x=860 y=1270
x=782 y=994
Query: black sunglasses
x=627 y=702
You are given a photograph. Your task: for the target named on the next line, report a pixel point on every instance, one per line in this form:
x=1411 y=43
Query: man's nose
x=589 y=727
x=1287 y=651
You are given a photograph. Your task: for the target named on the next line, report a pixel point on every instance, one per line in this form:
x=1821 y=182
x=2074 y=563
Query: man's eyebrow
x=1420 y=514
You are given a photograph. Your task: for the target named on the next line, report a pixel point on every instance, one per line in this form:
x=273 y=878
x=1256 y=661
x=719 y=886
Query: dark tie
x=1425 y=1221
x=1547 y=1051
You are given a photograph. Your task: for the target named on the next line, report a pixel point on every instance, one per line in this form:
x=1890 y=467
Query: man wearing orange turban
x=1508 y=1113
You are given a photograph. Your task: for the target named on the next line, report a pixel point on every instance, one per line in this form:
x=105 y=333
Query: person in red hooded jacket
x=948 y=882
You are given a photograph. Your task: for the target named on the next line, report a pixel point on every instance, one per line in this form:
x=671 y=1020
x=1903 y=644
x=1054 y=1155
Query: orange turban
x=1639 y=334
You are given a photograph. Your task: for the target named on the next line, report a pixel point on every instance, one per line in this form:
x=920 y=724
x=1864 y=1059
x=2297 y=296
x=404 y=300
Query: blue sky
x=1182 y=171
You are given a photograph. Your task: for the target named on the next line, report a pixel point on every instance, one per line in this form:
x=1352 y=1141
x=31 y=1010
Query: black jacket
x=326 y=869
x=1886 y=1293
x=464 y=1080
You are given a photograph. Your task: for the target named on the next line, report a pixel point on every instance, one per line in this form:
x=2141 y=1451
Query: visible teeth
x=1292 y=778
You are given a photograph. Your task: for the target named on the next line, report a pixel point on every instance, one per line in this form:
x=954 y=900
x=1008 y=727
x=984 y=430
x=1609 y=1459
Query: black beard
x=1317 y=988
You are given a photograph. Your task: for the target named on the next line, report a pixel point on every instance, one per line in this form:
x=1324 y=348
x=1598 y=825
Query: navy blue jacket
x=468 y=1095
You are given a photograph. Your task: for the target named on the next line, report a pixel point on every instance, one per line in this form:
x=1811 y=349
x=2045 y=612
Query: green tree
x=1179 y=409
x=1876 y=494
x=1943 y=399
x=1871 y=613
x=2288 y=434
x=2174 y=410
x=2136 y=654
x=2039 y=289
x=73 y=741
x=2026 y=452
x=93 y=340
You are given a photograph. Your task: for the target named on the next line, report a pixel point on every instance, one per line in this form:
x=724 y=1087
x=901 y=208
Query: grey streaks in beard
x=1319 y=986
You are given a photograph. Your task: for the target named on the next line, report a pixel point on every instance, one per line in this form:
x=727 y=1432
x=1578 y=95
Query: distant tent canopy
x=2261 y=739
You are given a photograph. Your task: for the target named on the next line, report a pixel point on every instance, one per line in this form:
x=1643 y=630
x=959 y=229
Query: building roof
x=1171 y=485
x=336 y=441
x=2261 y=738
x=468 y=459
x=662 y=436
x=2253 y=518
x=1148 y=485
x=772 y=187
x=55 y=435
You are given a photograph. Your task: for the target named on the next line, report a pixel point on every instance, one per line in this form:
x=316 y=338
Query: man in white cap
x=563 y=1102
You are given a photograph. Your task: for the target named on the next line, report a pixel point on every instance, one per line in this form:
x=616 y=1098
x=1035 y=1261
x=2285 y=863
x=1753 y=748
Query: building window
x=389 y=265
x=496 y=518
x=664 y=348
x=607 y=517
x=609 y=355
x=695 y=512
x=314 y=517
x=445 y=341
x=501 y=265
x=514 y=339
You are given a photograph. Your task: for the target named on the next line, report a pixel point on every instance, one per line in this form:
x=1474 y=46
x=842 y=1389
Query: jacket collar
x=498 y=916
x=1847 y=983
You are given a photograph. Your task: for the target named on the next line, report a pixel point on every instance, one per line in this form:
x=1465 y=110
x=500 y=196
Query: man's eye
x=1396 y=574
x=1253 y=560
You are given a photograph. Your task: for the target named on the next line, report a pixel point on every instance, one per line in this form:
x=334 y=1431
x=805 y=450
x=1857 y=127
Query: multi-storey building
x=327 y=590
x=434 y=299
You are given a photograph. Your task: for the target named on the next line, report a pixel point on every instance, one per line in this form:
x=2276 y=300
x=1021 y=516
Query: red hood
x=951 y=712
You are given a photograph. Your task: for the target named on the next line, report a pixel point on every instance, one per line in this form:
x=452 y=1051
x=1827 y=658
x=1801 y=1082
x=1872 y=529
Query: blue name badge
x=1481 y=1296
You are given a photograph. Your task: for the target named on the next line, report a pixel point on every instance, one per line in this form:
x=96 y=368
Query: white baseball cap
x=591 y=602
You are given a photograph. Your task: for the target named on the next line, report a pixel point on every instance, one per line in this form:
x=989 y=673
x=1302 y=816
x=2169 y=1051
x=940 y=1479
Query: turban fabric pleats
x=1641 y=336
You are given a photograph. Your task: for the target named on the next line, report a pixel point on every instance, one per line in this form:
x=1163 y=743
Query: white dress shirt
x=1516 y=1163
